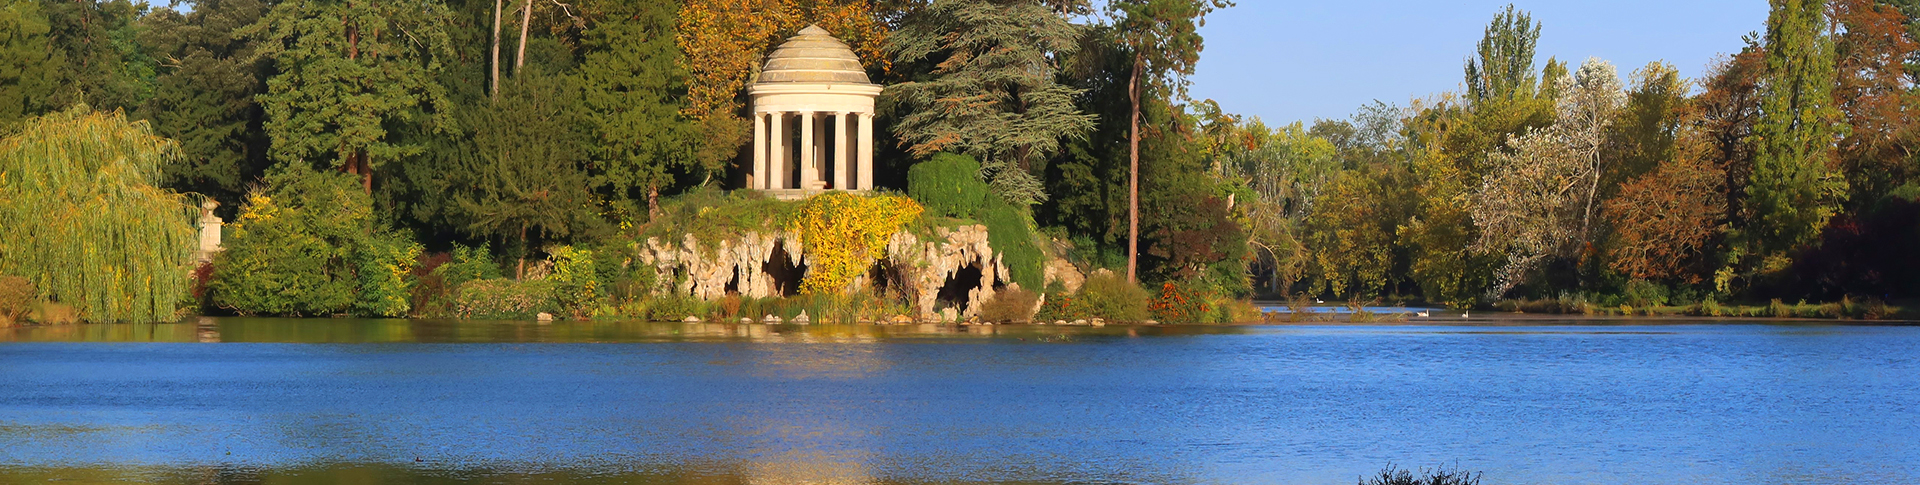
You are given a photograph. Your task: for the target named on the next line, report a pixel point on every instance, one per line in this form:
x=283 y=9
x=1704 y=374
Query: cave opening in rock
x=782 y=272
x=733 y=285
x=880 y=277
x=963 y=281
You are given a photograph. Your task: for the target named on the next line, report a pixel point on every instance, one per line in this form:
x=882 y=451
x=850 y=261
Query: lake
x=238 y=400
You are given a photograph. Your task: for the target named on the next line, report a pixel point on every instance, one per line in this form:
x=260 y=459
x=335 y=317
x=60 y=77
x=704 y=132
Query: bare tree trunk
x=526 y=19
x=653 y=202
x=493 y=81
x=1133 y=176
x=520 y=272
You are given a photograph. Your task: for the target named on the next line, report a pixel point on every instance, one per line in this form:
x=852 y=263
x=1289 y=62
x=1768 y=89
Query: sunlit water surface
x=360 y=401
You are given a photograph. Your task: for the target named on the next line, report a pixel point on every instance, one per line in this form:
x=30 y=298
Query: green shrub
x=622 y=280
x=1181 y=302
x=1643 y=293
x=468 y=264
x=307 y=244
x=1111 y=297
x=1230 y=311
x=505 y=299
x=711 y=215
x=439 y=276
x=290 y=251
x=675 y=307
x=384 y=266
x=575 y=283
x=1010 y=233
x=1776 y=308
x=1009 y=306
x=948 y=185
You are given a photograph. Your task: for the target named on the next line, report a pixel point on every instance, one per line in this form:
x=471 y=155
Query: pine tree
x=994 y=94
x=529 y=179
x=204 y=95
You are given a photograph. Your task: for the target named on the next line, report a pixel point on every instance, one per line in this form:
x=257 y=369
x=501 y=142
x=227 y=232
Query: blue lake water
x=352 y=401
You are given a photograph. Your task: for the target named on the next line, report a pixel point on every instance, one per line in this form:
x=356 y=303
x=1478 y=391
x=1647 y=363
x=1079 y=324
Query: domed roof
x=813 y=56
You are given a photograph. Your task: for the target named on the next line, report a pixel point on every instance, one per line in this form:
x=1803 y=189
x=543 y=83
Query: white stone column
x=865 y=147
x=759 y=180
x=777 y=158
x=809 y=168
x=842 y=173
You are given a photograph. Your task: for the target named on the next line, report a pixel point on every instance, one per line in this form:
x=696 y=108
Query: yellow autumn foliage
x=845 y=233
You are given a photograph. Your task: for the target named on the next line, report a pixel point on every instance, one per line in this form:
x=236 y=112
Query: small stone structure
x=812 y=119
x=210 y=226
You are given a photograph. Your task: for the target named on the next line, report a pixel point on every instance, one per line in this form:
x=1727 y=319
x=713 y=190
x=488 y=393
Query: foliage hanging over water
x=84 y=221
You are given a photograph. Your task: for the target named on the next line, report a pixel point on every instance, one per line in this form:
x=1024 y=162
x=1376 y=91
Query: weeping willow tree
x=84 y=221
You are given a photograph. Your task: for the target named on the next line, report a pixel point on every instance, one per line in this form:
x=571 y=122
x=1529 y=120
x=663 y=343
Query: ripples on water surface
x=352 y=401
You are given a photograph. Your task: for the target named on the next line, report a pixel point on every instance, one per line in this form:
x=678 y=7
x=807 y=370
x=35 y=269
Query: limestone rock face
x=919 y=268
x=1060 y=270
x=928 y=265
x=708 y=271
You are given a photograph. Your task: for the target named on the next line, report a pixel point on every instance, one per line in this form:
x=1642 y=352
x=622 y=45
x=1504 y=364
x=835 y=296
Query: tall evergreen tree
x=1794 y=189
x=634 y=90
x=528 y=179
x=204 y=95
x=103 y=66
x=351 y=72
x=28 y=68
x=994 y=94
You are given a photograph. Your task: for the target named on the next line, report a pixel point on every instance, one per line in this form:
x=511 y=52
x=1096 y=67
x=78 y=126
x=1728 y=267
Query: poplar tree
x=1793 y=189
x=351 y=73
x=994 y=94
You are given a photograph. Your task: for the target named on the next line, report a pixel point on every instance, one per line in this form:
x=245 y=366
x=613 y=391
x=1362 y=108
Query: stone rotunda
x=812 y=119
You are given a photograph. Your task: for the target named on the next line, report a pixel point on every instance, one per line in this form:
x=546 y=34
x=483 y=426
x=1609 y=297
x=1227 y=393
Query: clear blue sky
x=1286 y=60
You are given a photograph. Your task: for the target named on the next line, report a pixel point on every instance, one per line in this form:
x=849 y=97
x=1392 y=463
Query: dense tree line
x=1786 y=171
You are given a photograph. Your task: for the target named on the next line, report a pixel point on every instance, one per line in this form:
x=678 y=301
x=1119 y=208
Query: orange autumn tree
x=1875 y=93
x=726 y=41
x=1664 y=221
